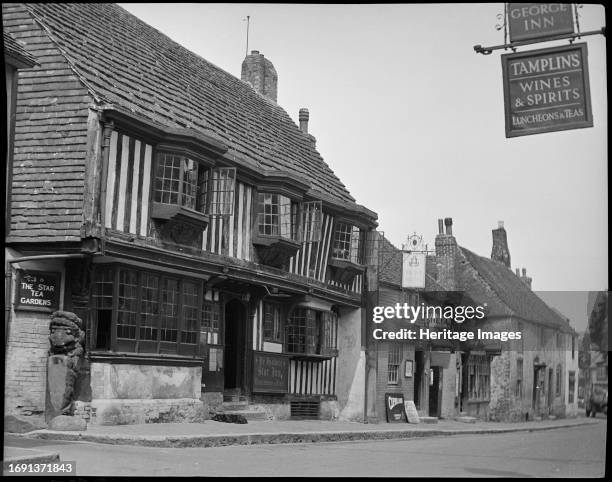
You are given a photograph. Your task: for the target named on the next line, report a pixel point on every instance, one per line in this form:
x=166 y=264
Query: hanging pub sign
x=37 y=290
x=546 y=90
x=413 y=263
x=270 y=373
x=395 y=407
x=527 y=21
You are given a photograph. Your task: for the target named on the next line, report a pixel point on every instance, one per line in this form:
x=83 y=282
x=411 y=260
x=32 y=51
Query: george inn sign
x=533 y=20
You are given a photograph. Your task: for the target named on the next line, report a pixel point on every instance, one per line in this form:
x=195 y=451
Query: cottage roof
x=16 y=53
x=129 y=64
x=491 y=282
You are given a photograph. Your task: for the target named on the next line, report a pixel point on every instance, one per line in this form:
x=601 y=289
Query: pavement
x=213 y=434
x=28 y=456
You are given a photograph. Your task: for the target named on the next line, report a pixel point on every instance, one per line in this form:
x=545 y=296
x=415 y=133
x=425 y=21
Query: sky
x=411 y=120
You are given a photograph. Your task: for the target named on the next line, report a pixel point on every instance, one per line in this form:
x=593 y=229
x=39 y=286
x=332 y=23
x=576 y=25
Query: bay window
x=312 y=332
x=187 y=190
x=139 y=311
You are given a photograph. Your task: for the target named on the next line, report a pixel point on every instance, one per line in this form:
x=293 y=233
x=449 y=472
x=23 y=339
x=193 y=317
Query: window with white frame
x=272 y=322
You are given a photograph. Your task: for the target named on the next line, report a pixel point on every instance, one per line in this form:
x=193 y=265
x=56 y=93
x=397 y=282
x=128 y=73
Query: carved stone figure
x=66 y=340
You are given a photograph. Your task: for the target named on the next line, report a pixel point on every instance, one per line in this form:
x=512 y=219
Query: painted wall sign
x=37 y=290
x=528 y=21
x=394 y=403
x=270 y=373
x=547 y=90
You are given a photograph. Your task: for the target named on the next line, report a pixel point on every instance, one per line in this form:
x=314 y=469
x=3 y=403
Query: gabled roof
x=491 y=282
x=129 y=64
x=15 y=54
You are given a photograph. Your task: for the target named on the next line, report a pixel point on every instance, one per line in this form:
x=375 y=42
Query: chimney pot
x=500 y=225
x=254 y=52
x=304 y=116
x=440 y=226
x=448 y=222
x=518 y=272
x=524 y=272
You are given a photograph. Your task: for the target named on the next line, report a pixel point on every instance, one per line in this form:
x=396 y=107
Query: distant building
x=514 y=380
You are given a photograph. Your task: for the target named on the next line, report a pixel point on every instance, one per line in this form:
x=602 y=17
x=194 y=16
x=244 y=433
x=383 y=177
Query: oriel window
x=277 y=216
x=347 y=244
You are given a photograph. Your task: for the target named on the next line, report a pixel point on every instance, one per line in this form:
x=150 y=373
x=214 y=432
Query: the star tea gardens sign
x=546 y=90
x=37 y=290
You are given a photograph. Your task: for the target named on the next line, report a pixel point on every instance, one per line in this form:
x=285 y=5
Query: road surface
x=569 y=452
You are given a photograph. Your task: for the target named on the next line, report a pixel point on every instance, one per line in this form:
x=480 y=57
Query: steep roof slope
x=128 y=63
x=506 y=294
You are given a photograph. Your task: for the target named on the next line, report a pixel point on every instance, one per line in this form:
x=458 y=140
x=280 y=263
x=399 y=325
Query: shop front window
x=479 y=377
x=312 y=332
x=147 y=312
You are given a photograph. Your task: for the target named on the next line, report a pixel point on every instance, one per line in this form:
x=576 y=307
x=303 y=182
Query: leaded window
x=191 y=307
x=277 y=216
x=312 y=332
x=311 y=220
x=149 y=307
x=347 y=245
x=272 y=322
x=143 y=311
x=217 y=191
x=176 y=180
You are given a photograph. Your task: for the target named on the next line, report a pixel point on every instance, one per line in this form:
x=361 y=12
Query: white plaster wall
x=350 y=372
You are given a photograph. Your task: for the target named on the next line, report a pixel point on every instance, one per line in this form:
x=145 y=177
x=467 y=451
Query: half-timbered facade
x=191 y=224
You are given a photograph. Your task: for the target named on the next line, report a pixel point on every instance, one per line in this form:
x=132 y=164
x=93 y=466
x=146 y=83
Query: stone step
x=248 y=414
x=466 y=419
x=428 y=419
x=236 y=405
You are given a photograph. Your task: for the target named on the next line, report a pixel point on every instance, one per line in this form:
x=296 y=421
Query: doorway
x=435 y=383
x=418 y=377
x=538 y=388
x=235 y=335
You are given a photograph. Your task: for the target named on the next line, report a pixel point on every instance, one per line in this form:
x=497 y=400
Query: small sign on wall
x=408 y=369
x=37 y=290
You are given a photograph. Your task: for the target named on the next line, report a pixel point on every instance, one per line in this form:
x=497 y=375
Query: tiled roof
x=127 y=63
x=485 y=280
x=13 y=49
x=50 y=142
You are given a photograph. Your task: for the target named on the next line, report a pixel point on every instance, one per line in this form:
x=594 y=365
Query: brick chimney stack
x=304 y=116
x=446 y=251
x=500 y=251
x=259 y=72
x=524 y=278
